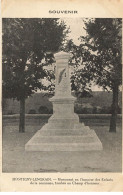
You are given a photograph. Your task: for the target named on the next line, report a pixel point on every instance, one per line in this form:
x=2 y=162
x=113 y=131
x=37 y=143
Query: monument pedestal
x=63 y=132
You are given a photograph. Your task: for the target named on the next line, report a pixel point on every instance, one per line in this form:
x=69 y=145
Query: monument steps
x=70 y=140
x=64 y=139
x=85 y=145
x=70 y=125
x=68 y=132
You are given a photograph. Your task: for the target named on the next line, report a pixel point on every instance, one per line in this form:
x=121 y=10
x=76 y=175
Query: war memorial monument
x=63 y=132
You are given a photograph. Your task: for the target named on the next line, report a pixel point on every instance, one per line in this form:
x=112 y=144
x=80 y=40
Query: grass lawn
x=16 y=160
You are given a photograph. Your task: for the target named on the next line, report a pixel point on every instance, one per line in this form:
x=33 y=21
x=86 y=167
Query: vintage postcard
x=61 y=95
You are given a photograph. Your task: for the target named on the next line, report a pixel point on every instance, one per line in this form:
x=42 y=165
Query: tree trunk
x=22 y=116
x=113 y=119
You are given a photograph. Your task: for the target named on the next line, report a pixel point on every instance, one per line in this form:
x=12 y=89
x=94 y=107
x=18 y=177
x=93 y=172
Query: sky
x=76 y=27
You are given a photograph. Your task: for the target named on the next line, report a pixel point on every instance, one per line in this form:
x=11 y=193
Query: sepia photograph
x=61 y=95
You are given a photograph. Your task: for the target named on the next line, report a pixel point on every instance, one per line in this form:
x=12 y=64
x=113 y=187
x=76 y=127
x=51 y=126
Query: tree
x=80 y=77
x=100 y=54
x=26 y=43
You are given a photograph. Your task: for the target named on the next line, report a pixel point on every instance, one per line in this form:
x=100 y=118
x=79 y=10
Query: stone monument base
x=64 y=140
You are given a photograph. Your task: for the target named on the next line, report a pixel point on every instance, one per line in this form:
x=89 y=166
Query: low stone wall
x=38 y=119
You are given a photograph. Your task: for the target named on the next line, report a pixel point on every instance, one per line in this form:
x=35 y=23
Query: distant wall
x=39 y=119
x=100 y=99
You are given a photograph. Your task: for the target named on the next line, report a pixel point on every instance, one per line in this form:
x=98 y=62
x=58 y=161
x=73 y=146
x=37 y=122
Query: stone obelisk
x=63 y=132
